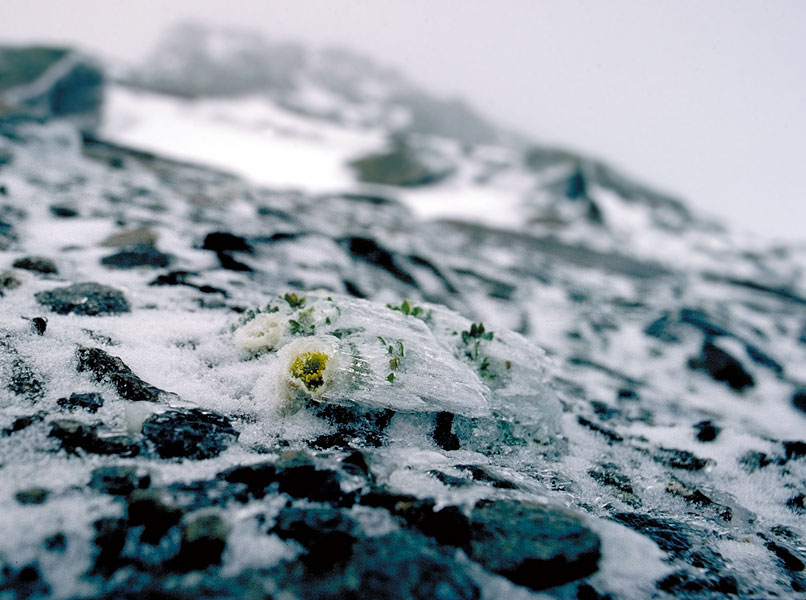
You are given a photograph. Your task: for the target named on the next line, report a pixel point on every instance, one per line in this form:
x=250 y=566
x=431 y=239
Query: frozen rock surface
x=223 y=389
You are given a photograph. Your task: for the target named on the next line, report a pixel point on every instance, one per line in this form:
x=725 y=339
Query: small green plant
x=472 y=339
x=303 y=324
x=294 y=301
x=396 y=351
x=484 y=369
x=476 y=332
x=408 y=310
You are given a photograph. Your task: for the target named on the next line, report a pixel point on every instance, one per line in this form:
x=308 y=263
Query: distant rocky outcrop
x=40 y=82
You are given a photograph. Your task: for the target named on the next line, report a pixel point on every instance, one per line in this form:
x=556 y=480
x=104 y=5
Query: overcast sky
x=702 y=98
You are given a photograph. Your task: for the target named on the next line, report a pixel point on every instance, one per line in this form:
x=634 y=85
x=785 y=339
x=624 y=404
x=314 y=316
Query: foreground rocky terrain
x=448 y=370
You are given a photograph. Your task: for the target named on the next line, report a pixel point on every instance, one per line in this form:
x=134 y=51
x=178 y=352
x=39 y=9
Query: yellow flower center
x=309 y=367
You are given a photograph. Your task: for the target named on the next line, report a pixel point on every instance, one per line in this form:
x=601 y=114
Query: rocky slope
x=477 y=373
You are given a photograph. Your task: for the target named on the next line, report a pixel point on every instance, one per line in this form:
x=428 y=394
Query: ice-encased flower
x=264 y=332
x=310 y=366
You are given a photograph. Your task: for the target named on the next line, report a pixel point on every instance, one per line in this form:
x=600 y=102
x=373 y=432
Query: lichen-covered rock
x=110 y=369
x=45 y=82
x=137 y=256
x=90 y=401
x=118 y=480
x=533 y=545
x=84 y=299
x=194 y=434
x=76 y=435
x=37 y=264
x=402 y=166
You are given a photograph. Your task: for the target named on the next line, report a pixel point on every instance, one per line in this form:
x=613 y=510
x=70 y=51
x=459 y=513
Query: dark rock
x=797 y=504
x=220 y=241
x=765 y=360
x=139 y=237
x=666 y=534
x=255 y=477
x=21 y=423
x=576 y=186
x=675 y=487
x=35 y=495
x=227 y=262
x=327 y=441
x=174 y=278
x=401 y=565
x=182 y=278
x=679 y=540
x=327 y=534
x=204 y=539
x=706 y=431
x=196 y=434
x=799 y=400
x=27 y=582
x=752 y=460
x=700 y=320
x=531 y=544
x=353 y=424
x=498 y=289
x=482 y=475
x=153 y=511
x=353 y=290
x=84 y=299
x=611 y=435
x=794 y=450
x=39 y=324
x=23 y=381
x=679 y=459
x=52 y=82
x=55 y=543
x=787 y=558
x=369 y=251
x=608 y=474
x=7 y=235
x=356 y=464
x=448 y=525
x=603 y=410
x=586 y=591
x=443 y=436
x=75 y=436
x=722 y=367
x=662 y=329
x=450 y=480
x=137 y=256
x=37 y=264
x=280 y=236
x=684 y=585
x=9 y=281
x=106 y=368
x=400 y=166
x=298 y=477
x=90 y=401
x=779 y=292
x=63 y=211
x=118 y=480
x=110 y=538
